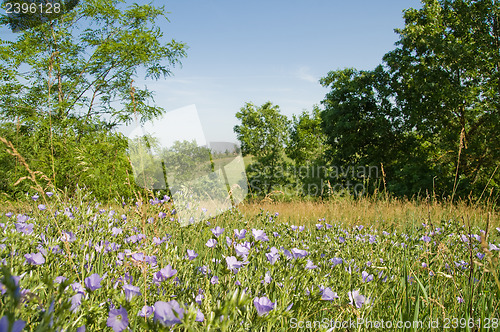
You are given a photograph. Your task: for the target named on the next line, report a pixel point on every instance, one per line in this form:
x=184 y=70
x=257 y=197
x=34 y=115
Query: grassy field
x=264 y=266
x=370 y=212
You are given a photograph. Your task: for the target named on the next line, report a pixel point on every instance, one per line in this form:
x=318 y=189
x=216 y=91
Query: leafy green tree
x=446 y=72
x=365 y=129
x=307 y=149
x=307 y=139
x=66 y=83
x=264 y=134
x=82 y=65
x=432 y=114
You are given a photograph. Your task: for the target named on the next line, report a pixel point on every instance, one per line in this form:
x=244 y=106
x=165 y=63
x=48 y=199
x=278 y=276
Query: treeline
x=427 y=118
x=424 y=122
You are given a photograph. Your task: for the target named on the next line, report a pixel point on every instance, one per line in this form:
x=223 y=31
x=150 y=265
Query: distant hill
x=222 y=147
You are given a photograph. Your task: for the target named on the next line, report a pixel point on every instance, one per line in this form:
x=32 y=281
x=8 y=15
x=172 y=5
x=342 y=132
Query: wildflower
x=319 y=226
x=229 y=241
x=480 y=255
x=151 y=260
x=259 y=235
x=366 y=277
x=34 y=197
x=310 y=265
x=18 y=325
x=59 y=279
x=336 y=261
x=146 y=311
x=298 y=253
x=425 y=238
x=132 y=239
x=191 y=254
x=138 y=256
x=162 y=215
x=241 y=250
x=233 y=264
x=21 y=218
x=35 y=259
x=263 y=305
x=464 y=238
x=460 y=300
x=77 y=287
x=240 y=234
x=116 y=231
x=157 y=241
x=24 y=228
x=118 y=319
x=356 y=299
x=267 y=278
x=204 y=269
x=273 y=256
x=41 y=207
x=493 y=247
x=199 y=316
x=199 y=298
x=217 y=231
x=67 y=236
x=214 y=280
x=131 y=291
x=168 y=272
x=329 y=295
x=93 y=282
x=76 y=301
x=341 y=239
x=211 y=243
x=301 y=228
x=164 y=312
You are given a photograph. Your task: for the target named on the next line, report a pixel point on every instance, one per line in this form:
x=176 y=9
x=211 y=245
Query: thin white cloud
x=303 y=73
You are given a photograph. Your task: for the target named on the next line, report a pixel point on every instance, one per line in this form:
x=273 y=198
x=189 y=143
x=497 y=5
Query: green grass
x=413 y=280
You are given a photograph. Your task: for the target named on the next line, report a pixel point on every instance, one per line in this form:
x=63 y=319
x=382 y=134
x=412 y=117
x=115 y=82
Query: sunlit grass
x=401 y=268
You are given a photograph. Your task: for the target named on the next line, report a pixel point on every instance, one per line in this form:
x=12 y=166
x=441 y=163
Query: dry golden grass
x=386 y=212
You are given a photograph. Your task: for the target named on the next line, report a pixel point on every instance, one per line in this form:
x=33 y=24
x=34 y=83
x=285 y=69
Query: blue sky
x=258 y=51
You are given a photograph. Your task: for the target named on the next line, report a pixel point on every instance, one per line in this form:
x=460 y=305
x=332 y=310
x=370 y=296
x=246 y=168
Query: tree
x=431 y=115
x=307 y=139
x=446 y=72
x=66 y=81
x=80 y=65
x=264 y=134
x=365 y=129
x=307 y=149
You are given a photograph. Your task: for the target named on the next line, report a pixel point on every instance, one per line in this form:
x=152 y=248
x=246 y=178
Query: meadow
x=72 y=264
